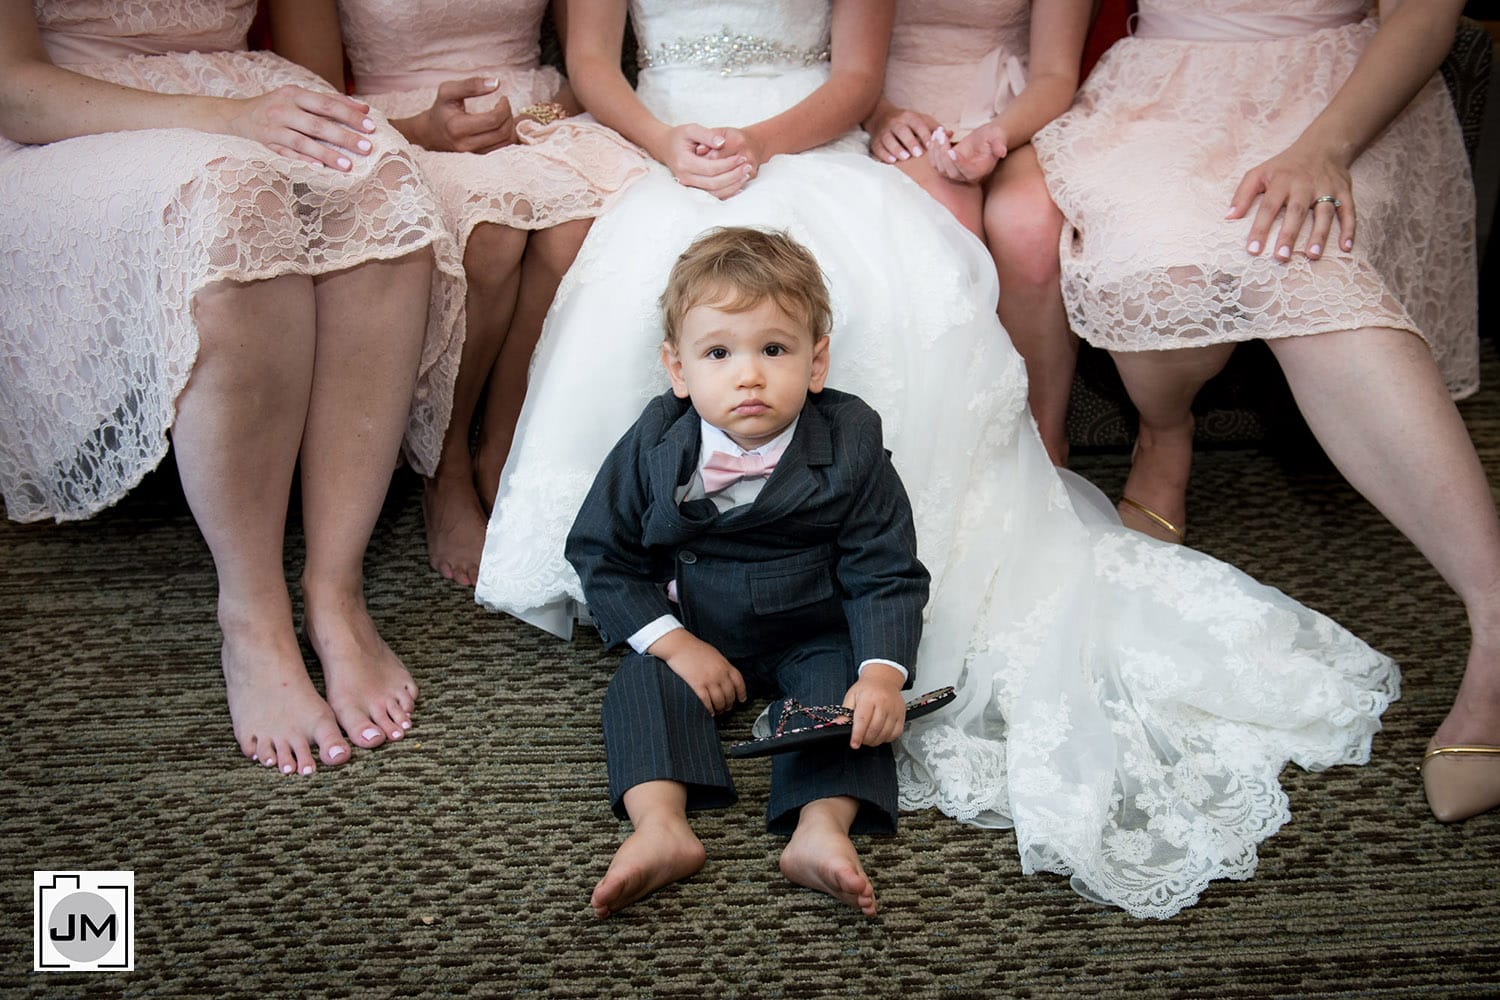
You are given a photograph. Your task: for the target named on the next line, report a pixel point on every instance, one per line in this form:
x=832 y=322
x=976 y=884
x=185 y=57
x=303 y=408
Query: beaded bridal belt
x=728 y=53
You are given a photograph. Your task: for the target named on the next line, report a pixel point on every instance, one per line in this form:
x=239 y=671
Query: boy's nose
x=749 y=374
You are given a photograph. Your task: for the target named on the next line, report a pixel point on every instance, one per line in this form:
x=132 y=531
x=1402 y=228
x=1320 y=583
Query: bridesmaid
x=206 y=241
x=1319 y=200
x=967 y=83
x=519 y=180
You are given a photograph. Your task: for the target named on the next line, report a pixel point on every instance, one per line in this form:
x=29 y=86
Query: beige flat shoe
x=1461 y=781
x=1168 y=526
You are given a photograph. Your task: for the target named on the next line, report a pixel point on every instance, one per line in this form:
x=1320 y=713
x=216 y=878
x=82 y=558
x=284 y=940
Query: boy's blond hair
x=736 y=268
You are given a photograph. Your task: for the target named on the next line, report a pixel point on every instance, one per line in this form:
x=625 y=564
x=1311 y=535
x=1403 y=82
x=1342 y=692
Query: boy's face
x=748 y=373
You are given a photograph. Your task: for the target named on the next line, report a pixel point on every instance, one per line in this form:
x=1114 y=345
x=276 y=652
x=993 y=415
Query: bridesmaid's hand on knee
x=1296 y=184
x=307 y=125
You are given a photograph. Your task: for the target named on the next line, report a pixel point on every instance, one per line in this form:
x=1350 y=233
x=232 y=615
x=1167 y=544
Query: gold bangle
x=544 y=112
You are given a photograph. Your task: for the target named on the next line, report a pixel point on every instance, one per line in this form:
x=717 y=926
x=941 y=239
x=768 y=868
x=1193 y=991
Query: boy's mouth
x=751 y=408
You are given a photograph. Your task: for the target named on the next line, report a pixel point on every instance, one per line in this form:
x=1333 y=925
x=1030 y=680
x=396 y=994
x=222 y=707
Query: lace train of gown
x=1125 y=704
x=108 y=237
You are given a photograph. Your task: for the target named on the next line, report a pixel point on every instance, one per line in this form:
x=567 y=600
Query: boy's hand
x=713 y=679
x=878 y=708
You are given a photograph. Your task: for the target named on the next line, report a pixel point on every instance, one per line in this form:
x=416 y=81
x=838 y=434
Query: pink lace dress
x=401 y=51
x=1144 y=164
x=106 y=239
x=960 y=61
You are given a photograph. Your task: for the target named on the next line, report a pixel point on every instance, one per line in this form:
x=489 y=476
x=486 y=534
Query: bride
x=1125 y=705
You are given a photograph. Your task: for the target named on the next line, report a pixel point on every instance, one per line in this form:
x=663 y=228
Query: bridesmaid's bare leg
x=548 y=256
x=238 y=428
x=1162 y=385
x=371 y=320
x=1022 y=228
x=1378 y=405
x=964 y=200
x=451 y=508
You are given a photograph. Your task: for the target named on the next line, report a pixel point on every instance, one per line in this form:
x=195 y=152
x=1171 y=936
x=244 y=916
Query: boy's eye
x=718 y=353
x=774 y=350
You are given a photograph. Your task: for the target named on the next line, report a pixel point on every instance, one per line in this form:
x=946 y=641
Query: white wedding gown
x=1126 y=705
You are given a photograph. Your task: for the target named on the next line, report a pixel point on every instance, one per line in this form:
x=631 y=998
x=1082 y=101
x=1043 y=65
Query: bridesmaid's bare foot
x=655 y=855
x=821 y=856
x=369 y=689
x=277 y=713
x=1158 y=479
x=455 y=524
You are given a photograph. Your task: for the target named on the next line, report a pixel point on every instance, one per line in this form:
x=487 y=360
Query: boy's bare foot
x=655 y=855
x=821 y=856
x=277 y=713
x=455 y=524
x=369 y=689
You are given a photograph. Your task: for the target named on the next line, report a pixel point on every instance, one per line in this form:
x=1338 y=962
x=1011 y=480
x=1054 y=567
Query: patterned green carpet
x=458 y=863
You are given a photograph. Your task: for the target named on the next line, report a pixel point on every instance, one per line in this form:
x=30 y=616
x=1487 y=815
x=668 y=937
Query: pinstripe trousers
x=656 y=729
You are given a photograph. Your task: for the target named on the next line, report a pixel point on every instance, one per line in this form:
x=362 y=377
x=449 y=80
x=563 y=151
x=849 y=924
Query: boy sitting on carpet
x=750 y=515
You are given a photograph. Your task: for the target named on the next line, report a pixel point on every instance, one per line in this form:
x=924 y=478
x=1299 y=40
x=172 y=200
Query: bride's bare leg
x=1378 y=406
x=451 y=508
x=1162 y=385
x=1022 y=228
x=548 y=256
x=370 y=322
x=238 y=428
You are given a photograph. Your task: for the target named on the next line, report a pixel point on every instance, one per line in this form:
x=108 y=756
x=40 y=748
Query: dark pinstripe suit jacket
x=828 y=545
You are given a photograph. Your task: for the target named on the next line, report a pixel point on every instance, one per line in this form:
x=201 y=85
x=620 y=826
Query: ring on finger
x=1328 y=198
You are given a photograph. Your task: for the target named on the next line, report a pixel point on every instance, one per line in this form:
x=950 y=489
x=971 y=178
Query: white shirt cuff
x=904 y=673
x=651 y=631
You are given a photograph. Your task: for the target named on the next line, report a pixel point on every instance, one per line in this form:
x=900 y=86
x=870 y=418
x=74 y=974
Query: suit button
x=686 y=557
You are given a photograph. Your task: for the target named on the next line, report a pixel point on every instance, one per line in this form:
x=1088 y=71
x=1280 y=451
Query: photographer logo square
x=85 y=921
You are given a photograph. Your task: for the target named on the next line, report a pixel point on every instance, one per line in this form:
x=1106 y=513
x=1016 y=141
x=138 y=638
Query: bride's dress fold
x=1126 y=705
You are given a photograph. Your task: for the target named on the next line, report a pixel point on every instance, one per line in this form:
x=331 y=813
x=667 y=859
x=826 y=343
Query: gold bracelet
x=544 y=112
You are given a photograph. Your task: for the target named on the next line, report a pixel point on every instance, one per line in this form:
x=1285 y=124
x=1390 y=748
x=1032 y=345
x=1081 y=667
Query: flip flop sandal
x=829 y=722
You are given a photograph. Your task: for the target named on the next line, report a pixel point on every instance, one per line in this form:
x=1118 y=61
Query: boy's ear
x=819 y=365
x=673 y=364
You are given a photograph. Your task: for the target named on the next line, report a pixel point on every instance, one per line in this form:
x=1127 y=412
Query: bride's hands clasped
x=304 y=124
x=449 y=127
x=1298 y=182
x=714 y=160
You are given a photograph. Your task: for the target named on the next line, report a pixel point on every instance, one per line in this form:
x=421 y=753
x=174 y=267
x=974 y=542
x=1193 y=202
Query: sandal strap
x=1136 y=505
x=819 y=713
x=1461 y=751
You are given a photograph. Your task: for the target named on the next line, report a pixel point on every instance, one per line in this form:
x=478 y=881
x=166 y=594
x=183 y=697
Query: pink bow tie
x=722 y=470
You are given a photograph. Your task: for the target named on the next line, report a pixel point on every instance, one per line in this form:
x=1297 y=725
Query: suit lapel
x=793 y=481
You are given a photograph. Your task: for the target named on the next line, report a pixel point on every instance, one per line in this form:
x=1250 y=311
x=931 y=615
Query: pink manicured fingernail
x=344 y=163
x=918 y=151
x=307 y=770
x=1348 y=244
x=937 y=135
x=905 y=155
x=1284 y=252
x=492 y=84
x=889 y=158
x=953 y=154
x=368 y=124
x=370 y=733
x=1315 y=249
x=336 y=752
x=718 y=141
x=364 y=145
x=1254 y=246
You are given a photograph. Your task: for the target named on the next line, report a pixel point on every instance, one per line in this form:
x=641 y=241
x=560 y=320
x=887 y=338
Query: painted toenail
x=370 y=733
x=336 y=752
x=308 y=769
x=286 y=769
x=406 y=724
x=395 y=734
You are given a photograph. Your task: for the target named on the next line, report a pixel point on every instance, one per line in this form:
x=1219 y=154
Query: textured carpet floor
x=458 y=862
